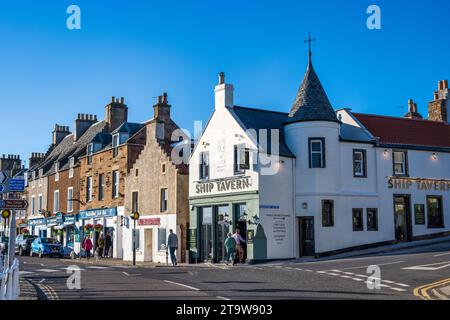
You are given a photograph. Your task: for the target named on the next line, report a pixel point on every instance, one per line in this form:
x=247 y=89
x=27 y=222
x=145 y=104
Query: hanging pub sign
x=419 y=213
x=418 y=184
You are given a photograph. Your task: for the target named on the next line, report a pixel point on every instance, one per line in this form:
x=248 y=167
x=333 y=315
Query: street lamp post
x=134 y=216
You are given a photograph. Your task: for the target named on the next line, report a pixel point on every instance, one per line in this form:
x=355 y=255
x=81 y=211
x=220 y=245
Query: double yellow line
x=422 y=291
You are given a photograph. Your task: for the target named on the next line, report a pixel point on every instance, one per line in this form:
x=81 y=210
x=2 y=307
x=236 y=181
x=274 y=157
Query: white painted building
x=338 y=180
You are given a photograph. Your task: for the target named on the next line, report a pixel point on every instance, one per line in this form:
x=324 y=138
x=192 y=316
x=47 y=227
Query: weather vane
x=309 y=40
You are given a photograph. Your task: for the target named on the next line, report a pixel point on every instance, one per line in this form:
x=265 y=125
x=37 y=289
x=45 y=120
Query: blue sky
x=139 y=49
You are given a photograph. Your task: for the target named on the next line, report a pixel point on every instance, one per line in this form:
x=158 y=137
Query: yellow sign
x=6 y=214
x=135 y=215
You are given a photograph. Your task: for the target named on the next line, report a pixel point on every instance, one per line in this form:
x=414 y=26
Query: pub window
x=204 y=165
x=89 y=189
x=135 y=202
x=400 y=163
x=327 y=213
x=164 y=200
x=316 y=152
x=372 y=219
x=358 y=220
x=101 y=186
x=241 y=159
x=115 y=187
x=162 y=239
x=115 y=144
x=435 y=212
x=359 y=163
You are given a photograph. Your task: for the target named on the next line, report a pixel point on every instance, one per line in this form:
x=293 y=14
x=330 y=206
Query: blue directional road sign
x=16 y=185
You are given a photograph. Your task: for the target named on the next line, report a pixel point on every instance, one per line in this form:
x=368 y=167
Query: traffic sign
x=16 y=185
x=2 y=188
x=6 y=214
x=3 y=177
x=135 y=215
x=13 y=204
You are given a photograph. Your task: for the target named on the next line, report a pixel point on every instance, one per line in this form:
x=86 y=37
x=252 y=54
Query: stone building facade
x=157 y=188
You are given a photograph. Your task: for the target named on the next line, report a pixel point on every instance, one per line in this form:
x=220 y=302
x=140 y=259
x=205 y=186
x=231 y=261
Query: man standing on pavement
x=239 y=241
x=108 y=244
x=172 y=244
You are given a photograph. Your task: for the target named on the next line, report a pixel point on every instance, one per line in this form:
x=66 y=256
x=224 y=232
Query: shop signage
x=419 y=184
x=223 y=185
x=37 y=222
x=55 y=220
x=193 y=239
x=14 y=204
x=98 y=213
x=250 y=236
x=69 y=219
x=419 y=213
x=149 y=222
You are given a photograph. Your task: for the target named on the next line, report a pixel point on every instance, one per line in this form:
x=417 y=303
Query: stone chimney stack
x=82 y=123
x=116 y=113
x=161 y=110
x=35 y=159
x=412 y=111
x=223 y=93
x=10 y=163
x=59 y=133
x=439 y=108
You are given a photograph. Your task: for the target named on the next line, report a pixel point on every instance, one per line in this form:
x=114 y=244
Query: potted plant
x=88 y=228
x=98 y=227
x=25 y=231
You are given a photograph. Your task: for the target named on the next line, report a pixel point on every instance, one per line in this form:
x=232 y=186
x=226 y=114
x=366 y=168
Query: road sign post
x=134 y=216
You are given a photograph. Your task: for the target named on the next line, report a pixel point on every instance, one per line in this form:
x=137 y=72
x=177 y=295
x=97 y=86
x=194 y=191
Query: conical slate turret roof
x=311 y=102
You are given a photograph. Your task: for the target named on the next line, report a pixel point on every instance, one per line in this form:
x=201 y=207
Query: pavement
x=420 y=273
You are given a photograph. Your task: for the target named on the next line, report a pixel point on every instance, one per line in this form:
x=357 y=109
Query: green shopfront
x=213 y=216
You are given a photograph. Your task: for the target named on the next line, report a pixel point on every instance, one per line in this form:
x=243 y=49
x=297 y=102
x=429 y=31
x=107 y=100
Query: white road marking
x=397 y=289
x=442 y=254
x=42 y=280
x=357 y=279
x=131 y=275
x=69 y=268
x=298 y=269
x=429 y=267
x=222 y=298
x=25 y=272
x=349 y=273
x=378 y=264
x=47 y=270
x=333 y=274
x=183 y=285
x=346 y=277
x=98 y=267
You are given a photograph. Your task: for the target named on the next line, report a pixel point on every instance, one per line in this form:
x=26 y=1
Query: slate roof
x=256 y=119
x=406 y=132
x=128 y=127
x=311 y=102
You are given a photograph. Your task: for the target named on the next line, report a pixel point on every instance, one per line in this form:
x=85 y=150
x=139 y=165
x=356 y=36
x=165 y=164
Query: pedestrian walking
x=108 y=244
x=87 y=246
x=172 y=244
x=101 y=245
x=230 y=247
x=239 y=248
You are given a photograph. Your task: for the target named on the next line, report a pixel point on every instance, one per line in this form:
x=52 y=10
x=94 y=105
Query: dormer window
x=115 y=144
x=33 y=175
x=41 y=173
x=71 y=166
x=57 y=171
x=89 y=152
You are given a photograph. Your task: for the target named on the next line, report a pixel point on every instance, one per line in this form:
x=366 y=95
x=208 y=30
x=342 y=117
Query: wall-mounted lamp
x=385 y=153
x=192 y=207
x=281 y=161
x=255 y=221
x=434 y=156
x=305 y=205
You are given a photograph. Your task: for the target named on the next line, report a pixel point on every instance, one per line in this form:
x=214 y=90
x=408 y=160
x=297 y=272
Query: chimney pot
x=222 y=78
x=165 y=97
x=122 y=100
x=445 y=84
x=440 y=85
x=113 y=98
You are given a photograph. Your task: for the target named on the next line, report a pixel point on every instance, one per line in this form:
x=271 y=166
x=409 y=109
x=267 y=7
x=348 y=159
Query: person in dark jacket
x=172 y=244
x=108 y=244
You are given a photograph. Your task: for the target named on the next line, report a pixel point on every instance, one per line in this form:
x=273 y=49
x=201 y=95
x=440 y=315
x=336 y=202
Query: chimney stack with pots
x=412 y=111
x=224 y=94
x=59 y=133
x=82 y=123
x=116 y=113
x=36 y=158
x=439 y=108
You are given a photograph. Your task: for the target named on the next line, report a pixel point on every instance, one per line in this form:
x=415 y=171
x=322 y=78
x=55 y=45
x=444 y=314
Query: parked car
x=46 y=247
x=23 y=243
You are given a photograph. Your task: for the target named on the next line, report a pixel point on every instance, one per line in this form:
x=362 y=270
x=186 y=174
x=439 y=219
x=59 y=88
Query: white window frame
x=402 y=163
x=165 y=200
x=116 y=180
x=40 y=203
x=33 y=205
x=89 y=152
x=361 y=163
x=70 y=199
x=320 y=152
x=71 y=165
x=56 y=171
x=55 y=203
x=115 y=144
x=204 y=167
x=89 y=189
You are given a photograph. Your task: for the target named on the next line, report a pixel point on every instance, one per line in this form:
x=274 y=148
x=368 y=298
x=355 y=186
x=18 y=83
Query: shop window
x=101 y=186
x=69 y=199
x=359 y=163
x=435 y=212
x=204 y=166
x=162 y=239
x=316 y=152
x=400 y=163
x=327 y=213
x=164 y=196
x=358 y=220
x=115 y=187
x=241 y=159
x=372 y=219
x=89 y=189
x=137 y=238
x=135 y=202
